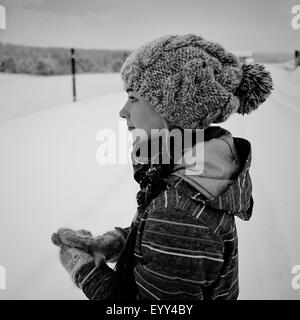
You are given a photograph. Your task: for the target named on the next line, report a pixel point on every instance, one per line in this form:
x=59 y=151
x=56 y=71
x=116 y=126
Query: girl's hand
x=73 y=260
x=108 y=245
x=81 y=239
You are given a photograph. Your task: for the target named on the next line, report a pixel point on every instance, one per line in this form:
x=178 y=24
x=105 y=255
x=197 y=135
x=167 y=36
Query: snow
x=23 y=94
x=50 y=179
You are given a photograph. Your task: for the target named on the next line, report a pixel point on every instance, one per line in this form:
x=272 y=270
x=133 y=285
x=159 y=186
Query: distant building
x=245 y=56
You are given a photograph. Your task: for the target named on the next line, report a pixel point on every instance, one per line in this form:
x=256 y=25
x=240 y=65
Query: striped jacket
x=186 y=247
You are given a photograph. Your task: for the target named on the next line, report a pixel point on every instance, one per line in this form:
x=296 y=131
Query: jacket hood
x=222 y=180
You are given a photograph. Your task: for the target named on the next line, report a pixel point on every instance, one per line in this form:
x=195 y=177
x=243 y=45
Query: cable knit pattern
x=193 y=82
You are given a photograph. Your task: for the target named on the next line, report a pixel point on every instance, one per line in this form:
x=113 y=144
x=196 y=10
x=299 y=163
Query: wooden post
x=297 y=58
x=73 y=67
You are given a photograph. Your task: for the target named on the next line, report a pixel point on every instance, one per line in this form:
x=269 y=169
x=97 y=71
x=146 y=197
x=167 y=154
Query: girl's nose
x=123 y=112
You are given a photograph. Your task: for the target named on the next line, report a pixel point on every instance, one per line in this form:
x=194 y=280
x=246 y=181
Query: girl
x=182 y=242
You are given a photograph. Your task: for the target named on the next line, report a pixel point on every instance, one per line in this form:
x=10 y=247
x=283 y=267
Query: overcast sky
x=258 y=25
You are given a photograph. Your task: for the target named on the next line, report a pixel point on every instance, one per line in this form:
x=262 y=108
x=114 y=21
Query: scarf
x=149 y=175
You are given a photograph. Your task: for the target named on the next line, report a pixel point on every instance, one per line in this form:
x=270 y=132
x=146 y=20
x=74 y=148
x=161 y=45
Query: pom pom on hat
x=193 y=82
x=255 y=87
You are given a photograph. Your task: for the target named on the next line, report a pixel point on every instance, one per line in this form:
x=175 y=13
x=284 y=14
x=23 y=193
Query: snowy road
x=269 y=242
x=50 y=178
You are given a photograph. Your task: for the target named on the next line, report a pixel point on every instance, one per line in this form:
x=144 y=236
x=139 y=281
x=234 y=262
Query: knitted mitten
x=81 y=239
x=73 y=259
x=109 y=244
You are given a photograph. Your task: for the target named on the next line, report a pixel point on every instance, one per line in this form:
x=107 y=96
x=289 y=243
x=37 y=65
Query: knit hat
x=193 y=82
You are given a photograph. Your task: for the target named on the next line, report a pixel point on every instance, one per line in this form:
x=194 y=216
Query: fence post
x=297 y=58
x=73 y=67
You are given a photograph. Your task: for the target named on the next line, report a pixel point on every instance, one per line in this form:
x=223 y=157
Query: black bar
x=73 y=66
x=297 y=58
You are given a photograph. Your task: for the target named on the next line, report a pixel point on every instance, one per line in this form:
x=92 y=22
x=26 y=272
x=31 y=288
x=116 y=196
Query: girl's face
x=140 y=114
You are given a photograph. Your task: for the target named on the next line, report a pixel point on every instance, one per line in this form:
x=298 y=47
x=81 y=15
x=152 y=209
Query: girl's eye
x=132 y=98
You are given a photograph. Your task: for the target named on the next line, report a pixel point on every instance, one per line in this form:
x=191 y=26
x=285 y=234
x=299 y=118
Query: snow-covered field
x=49 y=178
x=22 y=94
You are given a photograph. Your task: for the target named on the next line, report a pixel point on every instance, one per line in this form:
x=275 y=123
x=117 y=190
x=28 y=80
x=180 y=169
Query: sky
x=256 y=25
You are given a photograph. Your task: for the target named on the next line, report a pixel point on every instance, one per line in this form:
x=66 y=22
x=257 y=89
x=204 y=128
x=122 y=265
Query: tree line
x=55 y=61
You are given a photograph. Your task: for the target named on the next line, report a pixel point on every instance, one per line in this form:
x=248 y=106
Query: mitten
x=73 y=259
x=81 y=239
x=109 y=244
